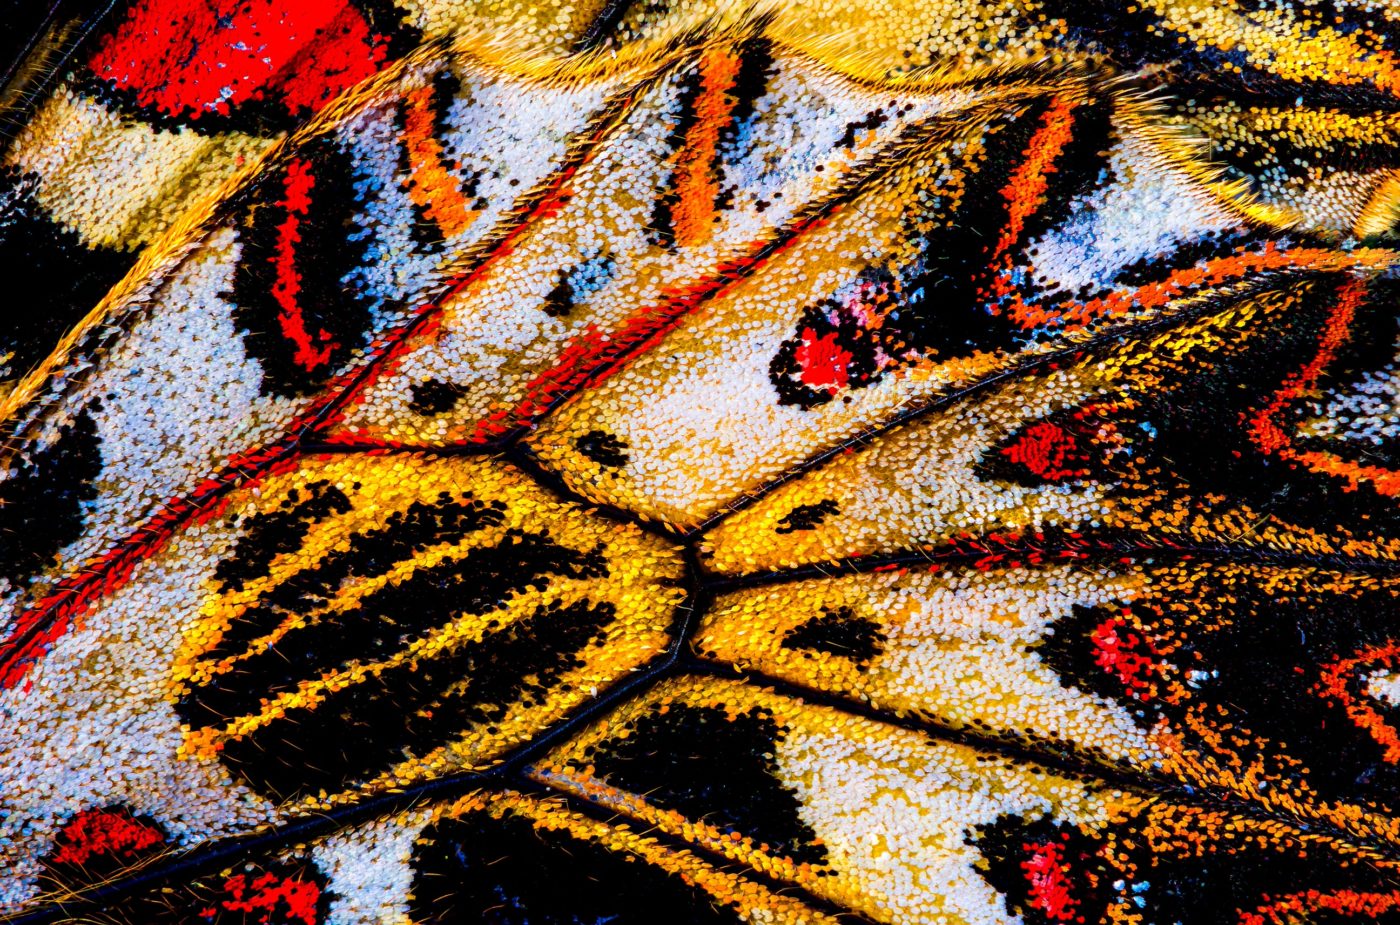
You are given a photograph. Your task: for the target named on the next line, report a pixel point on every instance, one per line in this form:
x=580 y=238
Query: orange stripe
x=1025 y=188
x=1269 y=436
x=1072 y=316
x=1338 y=675
x=431 y=185
x=696 y=186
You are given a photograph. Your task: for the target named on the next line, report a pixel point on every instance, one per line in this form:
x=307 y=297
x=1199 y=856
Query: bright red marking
x=1051 y=451
x=48 y=619
x=1048 y=876
x=104 y=833
x=287 y=287
x=272 y=898
x=822 y=361
x=1125 y=654
x=188 y=58
x=1351 y=903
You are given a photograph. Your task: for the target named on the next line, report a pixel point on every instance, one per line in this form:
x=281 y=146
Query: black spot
x=301 y=335
x=270 y=534
x=559 y=302
x=491 y=871
x=603 y=448
x=839 y=632
x=435 y=396
x=807 y=516
x=41 y=503
x=63 y=276
x=703 y=763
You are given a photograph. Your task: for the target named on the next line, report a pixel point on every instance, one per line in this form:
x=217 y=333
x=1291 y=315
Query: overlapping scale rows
x=820 y=465
x=166 y=103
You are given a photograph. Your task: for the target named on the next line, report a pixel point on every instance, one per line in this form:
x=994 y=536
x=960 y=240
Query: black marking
x=505 y=871
x=1076 y=653
x=434 y=396
x=269 y=534
x=63 y=276
x=412 y=708
x=808 y=516
x=711 y=767
x=1050 y=871
x=390 y=618
x=373 y=552
x=838 y=632
x=42 y=502
x=559 y=303
x=575 y=283
x=603 y=448
x=334 y=315
x=941 y=308
x=660 y=229
x=1155 y=267
x=756 y=68
x=1066 y=446
x=872 y=121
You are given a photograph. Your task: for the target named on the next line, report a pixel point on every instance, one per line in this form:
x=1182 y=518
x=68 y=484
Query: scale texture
x=698 y=462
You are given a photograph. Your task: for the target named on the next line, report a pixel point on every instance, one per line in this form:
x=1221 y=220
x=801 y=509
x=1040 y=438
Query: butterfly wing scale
x=727 y=476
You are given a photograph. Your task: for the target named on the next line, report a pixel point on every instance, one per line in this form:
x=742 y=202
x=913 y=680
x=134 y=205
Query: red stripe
x=313 y=352
x=51 y=617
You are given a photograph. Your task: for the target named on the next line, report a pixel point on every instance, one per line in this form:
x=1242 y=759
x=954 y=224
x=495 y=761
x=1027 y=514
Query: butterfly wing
x=770 y=468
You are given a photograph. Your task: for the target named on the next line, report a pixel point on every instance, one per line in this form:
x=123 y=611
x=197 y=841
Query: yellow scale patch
x=898 y=815
x=641 y=583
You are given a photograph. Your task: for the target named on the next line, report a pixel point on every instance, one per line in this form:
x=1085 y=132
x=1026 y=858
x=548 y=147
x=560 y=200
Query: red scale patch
x=822 y=362
x=268 y=899
x=1049 y=881
x=185 y=58
x=109 y=834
